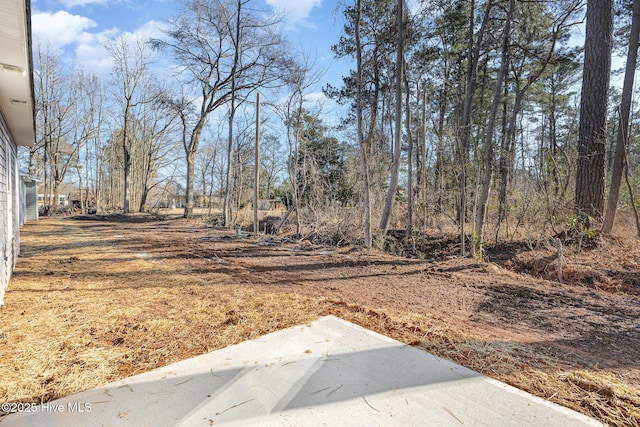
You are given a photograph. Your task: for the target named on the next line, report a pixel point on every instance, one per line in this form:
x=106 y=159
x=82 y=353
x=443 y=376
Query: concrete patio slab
x=330 y=372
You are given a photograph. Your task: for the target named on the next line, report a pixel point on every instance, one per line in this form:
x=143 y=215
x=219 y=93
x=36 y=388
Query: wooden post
x=560 y=259
x=256 y=177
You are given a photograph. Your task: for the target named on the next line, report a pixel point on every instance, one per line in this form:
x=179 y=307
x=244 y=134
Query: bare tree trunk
x=126 y=167
x=143 y=199
x=211 y=182
x=553 y=140
x=395 y=169
x=507 y=154
x=294 y=176
x=473 y=54
x=410 y=192
x=226 y=211
x=439 y=175
x=366 y=182
x=188 y=208
x=489 y=133
x=232 y=111
x=361 y=140
x=190 y=156
x=81 y=193
x=622 y=140
x=423 y=161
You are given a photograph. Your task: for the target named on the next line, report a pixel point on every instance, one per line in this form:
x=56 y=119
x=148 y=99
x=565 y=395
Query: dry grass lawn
x=93 y=301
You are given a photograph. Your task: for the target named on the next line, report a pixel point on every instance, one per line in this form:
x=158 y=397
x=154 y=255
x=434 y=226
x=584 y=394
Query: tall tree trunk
x=553 y=140
x=423 y=159
x=364 y=146
x=507 y=153
x=232 y=111
x=410 y=192
x=489 y=132
x=590 y=175
x=395 y=168
x=226 y=220
x=294 y=175
x=622 y=139
x=473 y=55
x=126 y=160
x=127 y=178
x=143 y=199
x=190 y=153
x=80 y=192
x=45 y=160
x=439 y=175
x=188 y=209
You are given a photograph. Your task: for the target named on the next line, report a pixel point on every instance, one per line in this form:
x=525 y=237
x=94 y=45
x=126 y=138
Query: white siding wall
x=9 y=207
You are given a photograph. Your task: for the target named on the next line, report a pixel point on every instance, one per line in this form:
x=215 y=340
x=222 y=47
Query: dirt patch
x=95 y=300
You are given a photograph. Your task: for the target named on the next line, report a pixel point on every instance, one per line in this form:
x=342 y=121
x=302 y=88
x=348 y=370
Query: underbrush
x=575 y=254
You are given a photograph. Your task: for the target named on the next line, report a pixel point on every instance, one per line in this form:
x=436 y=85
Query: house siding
x=9 y=207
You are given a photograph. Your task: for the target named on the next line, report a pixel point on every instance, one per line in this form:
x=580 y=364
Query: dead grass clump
x=55 y=352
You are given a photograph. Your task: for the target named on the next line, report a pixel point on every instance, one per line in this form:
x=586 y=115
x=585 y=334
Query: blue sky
x=79 y=28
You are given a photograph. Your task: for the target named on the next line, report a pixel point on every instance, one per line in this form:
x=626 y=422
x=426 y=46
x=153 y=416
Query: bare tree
x=223 y=50
x=300 y=78
x=130 y=62
x=85 y=123
x=51 y=116
x=156 y=145
x=206 y=166
x=65 y=112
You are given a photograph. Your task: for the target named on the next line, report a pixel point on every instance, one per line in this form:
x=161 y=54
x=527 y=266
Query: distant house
x=16 y=124
x=62 y=200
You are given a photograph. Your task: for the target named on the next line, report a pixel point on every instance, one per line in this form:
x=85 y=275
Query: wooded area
x=492 y=117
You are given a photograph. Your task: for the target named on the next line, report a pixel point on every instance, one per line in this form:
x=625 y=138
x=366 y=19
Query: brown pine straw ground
x=95 y=300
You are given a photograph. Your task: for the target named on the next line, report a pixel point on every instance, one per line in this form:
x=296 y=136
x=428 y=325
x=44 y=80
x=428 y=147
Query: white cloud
x=60 y=28
x=149 y=30
x=295 y=12
x=91 y=54
x=72 y=3
x=71 y=34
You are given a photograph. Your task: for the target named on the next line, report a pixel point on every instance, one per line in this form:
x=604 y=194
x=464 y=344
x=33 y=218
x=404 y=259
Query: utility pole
x=256 y=177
